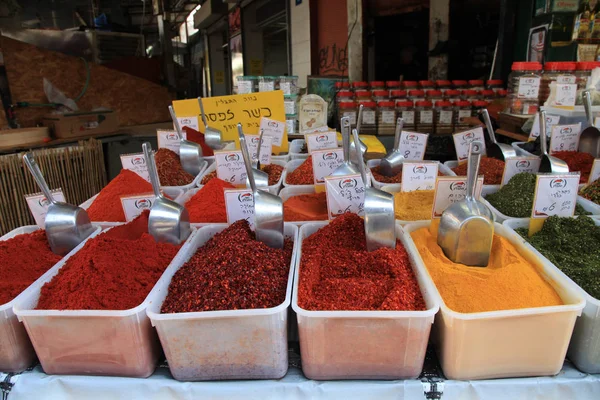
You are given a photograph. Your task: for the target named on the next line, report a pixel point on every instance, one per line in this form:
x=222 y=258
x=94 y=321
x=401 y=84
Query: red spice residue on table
x=337 y=272
x=170 y=171
x=232 y=271
x=577 y=162
x=23 y=259
x=379 y=177
x=303 y=175
x=208 y=204
x=492 y=170
x=273 y=170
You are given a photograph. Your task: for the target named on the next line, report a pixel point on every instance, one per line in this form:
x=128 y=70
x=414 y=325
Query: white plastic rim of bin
x=274 y=189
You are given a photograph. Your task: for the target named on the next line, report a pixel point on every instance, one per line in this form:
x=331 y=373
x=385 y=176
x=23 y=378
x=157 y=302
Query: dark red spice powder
x=491 y=169
x=303 y=175
x=23 y=259
x=577 y=162
x=337 y=272
x=197 y=137
x=232 y=271
x=273 y=170
x=379 y=177
x=113 y=271
x=170 y=171
x=208 y=204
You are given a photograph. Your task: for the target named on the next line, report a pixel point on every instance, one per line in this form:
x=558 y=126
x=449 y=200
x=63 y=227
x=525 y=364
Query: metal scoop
x=589 y=141
x=212 y=136
x=499 y=151
x=380 y=230
x=391 y=164
x=168 y=221
x=268 y=208
x=466 y=228
x=66 y=225
x=190 y=153
x=261 y=178
x=347 y=167
x=549 y=163
x=363 y=146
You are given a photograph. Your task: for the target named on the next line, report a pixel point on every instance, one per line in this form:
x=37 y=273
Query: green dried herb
x=573 y=245
x=592 y=192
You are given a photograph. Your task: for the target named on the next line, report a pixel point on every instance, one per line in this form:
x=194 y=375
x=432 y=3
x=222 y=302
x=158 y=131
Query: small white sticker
x=136 y=163
x=413 y=145
x=135 y=205
x=274 y=129
x=595 y=172
x=191 y=122
x=345 y=194
x=426 y=117
x=239 y=204
x=419 y=176
x=325 y=162
x=408 y=117
x=555 y=195
x=565 y=95
x=265 y=149
x=464 y=114
x=516 y=165
x=462 y=140
x=450 y=190
x=321 y=141
x=551 y=120
x=368 y=117
x=169 y=139
x=231 y=167
x=38 y=205
x=266 y=86
x=388 y=117
x=445 y=117
x=566 y=79
x=529 y=87
x=565 y=138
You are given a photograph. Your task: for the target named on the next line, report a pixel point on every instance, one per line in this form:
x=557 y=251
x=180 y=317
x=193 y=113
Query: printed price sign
x=239 y=204
x=565 y=95
x=551 y=120
x=135 y=205
x=516 y=165
x=265 y=149
x=565 y=138
x=321 y=141
x=462 y=140
x=169 y=139
x=450 y=190
x=529 y=88
x=419 y=176
x=38 y=205
x=191 y=122
x=413 y=145
x=345 y=194
x=555 y=195
x=136 y=163
x=595 y=172
x=231 y=167
x=325 y=162
x=274 y=129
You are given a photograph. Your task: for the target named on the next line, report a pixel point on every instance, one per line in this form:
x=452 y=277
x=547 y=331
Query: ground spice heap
x=107 y=206
x=592 y=192
x=338 y=273
x=23 y=259
x=303 y=175
x=306 y=207
x=508 y=282
x=577 y=162
x=208 y=204
x=273 y=170
x=379 y=177
x=113 y=271
x=413 y=206
x=491 y=169
x=232 y=271
x=573 y=245
x=170 y=171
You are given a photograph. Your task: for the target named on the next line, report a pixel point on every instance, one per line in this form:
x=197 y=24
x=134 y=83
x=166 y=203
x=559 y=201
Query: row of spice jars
x=252 y=84
x=443 y=85
x=418 y=94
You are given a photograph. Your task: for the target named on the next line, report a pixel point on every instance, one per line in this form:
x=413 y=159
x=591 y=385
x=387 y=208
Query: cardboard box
x=87 y=123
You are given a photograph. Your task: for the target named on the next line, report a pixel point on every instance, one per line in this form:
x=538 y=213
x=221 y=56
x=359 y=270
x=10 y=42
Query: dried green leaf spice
x=592 y=192
x=573 y=245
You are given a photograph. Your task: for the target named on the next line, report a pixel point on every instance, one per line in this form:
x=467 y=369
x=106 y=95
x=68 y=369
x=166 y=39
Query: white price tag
x=419 y=176
x=566 y=79
x=516 y=165
x=529 y=87
x=595 y=172
x=191 y=122
x=345 y=194
x=462 y=140
x=450 y=190
x=551 y=120
x=426 y=117
x=38 y=205
x=565 y=95
x=133 y=206
x=368 y=117
x=565 y=138
x=266 y=86
x=351 y=115
x=445 y=117
x=239 y=204
x=388 y=117
x=408 y=117
x=265 y=149
x=169 y=139
x=464 y=114
x=321 y=141
x=272 y=128
x=136 y=163
x=325 y=162
x=230 y=167
x=413 y=145
x=555 y=195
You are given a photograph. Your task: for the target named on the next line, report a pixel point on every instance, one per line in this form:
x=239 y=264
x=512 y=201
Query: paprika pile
x=577 y=162
x=303 y=175
x=338 y=273
x=208 y=204
x=274 y=172
x=232 y=271
x=23 y=259
x=306 y=207
x=170 y=171
x=110 y=272
x=491 y=169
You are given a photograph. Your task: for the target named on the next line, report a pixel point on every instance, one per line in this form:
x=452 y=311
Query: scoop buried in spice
x=391 y=164
x=66 y=225
x=496 y=150
x=466 y=228
x=168 y=222
x=549 y=163
x=190 y=153
x=347 y=167
x=268 y=208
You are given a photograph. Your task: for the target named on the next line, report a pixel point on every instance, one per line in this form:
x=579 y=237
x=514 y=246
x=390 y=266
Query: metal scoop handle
x=345 y=123
x=152 y=171
x=260 y=139
x=473 y=168
x=176 y=123
x=38 y=176
x=488 y=125
x=246 y=157
x=204 y=120
x=359 y=122
x=587 y=104
x=543 y=133
x=361 y=163
x=398 y=133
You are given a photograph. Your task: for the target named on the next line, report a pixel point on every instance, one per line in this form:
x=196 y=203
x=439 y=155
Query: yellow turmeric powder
x=413 y=206
x=508 y=282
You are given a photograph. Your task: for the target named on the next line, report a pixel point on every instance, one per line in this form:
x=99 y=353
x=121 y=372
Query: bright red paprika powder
x=208 y=204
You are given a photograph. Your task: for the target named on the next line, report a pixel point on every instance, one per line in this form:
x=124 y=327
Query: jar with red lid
x=488 y=94
x=524 y=88
x=363 y=95
x=380 y=95
x=386 y=118
x=502 y=93
x=462 y=109
x=452 y=94
x=398 y=95
x=471 y=95
x=560 y=73
x=405 y=109
x=368 y=124
x=444 y=117
x=427 y=85
x=460 y=85
x=348 y=109
x=424 y=114
x=434 y=95
x=410 y=85
x=344 y=96
x=393 y=85
x=416 y=95
x=478 y=106
x=443 y=85
x=476 y=84
x=359 y=85
x=494 y=84
x=583 y=72
x=377 y=85
x=342 y=86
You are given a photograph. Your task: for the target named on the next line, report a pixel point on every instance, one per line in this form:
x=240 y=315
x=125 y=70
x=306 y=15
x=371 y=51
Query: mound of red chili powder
x=208 y=204
x=303 y=175
x=107 y=206
x=113 y=271
x=491 y=169
x=232 y=271
x=577 y=162
x=170 y=171
x=23 y=259
x=338 y=273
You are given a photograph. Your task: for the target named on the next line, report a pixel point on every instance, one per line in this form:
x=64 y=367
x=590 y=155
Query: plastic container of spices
x=558 y=72
x=386 y=118
x=410 y=85
x=393 y=85
x=452 y=94
x=291 y=123
x=506 y=343
x=288 y=84
x=360 y=85
x=476 y=84
x=443 y=85
x=427 y=85
x=369 y=118
x=523 y=88
x=424 y=116
x=290 y=104
x=583 y=72
x=344 y=96
x=502 y=93
x=343 y=86
x=266 y=83
x=247 y=84
x=478 y=106
x=488 y=94
x=381 y=95
x=434 y=95
x=462 y=110
x=363 y=95
x=444 y=123
x=377 y=85
x=416 y=95
x=406 y=110
x=348 y=109
x=398 y=95
x=460 y=84
x=471 y=95
x=494 y=84
x=336 y=345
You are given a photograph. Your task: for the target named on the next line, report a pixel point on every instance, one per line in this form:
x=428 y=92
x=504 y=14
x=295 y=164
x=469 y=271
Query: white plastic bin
x=90 y=342
x=506 y=343
x=584 y=349
x=378 y=185
x=364 y=344
x=291 y=191
x=274 y=189
x=212 y=345
x=296 y=148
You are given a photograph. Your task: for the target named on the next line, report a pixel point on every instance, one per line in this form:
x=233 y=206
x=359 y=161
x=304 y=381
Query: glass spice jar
x=246 y=84
x=416 y=95
x=558 y=72
x=460 y=84
x=398 y=95
x=462 y=109
x=288 y=84
x=362 y=95
x=502 y=93
x=386 y=118
x=290 y=104
x=478 y=106
x=369 y=118
x=476 y=84
x=434 y=95
x=471 y=95
x=424 y=116
x=406 y=110
x=266 y=83
x=348 y=109
x=427 y=85
x=524 y=87
x=393 y=85
x=380 y=95
x=291 y=123
x=494 y=84
x=452 y=94
x=377 y=85
x=344 y=96
x=444 y=122
x=360 y=85
x=443 y=85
